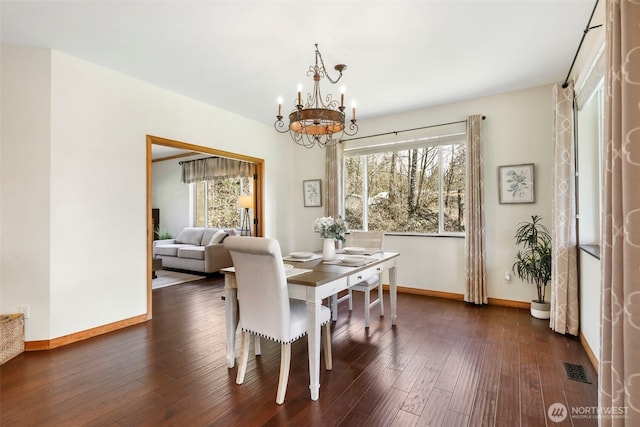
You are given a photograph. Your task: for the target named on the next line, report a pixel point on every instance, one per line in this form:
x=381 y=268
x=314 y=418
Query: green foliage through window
x=216 y=201
x=417 y=190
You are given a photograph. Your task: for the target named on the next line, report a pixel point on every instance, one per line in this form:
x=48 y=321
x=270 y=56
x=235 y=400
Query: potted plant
x=162 y=234
x=533 y=261
x=330 y=229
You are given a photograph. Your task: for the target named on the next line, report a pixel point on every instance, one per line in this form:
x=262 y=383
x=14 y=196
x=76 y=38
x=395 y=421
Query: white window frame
x=193 y=200
x=458 y=138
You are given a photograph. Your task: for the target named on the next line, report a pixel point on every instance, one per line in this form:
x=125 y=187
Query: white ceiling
x=242 y=55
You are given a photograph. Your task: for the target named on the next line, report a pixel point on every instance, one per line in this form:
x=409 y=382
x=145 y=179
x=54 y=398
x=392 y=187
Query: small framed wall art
x=515 y=183
x=312 y=192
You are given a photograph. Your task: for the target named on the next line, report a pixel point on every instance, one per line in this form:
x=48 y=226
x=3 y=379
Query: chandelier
x=319 y=121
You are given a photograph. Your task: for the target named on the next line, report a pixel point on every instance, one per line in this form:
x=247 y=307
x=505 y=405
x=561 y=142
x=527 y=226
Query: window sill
x=399 y=234
x=593 y=250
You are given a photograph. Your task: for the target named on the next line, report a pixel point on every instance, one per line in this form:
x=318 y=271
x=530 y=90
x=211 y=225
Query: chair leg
x=381 y=297
x=328 y=360
x=257 y=347
x=285 y=363
x=367 y=309
x=244 y=356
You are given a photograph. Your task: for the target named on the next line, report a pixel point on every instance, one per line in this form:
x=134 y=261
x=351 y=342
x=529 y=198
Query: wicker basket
x=11 y=336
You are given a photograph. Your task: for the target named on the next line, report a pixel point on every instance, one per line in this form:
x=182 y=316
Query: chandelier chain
x=326 y=74
x=319 y=121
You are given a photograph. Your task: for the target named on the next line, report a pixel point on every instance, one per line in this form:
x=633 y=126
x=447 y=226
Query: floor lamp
x=246 y=203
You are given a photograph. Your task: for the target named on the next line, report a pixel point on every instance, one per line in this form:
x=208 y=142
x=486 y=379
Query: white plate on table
x=353 y=250
x=301 y=255
x=353 y=259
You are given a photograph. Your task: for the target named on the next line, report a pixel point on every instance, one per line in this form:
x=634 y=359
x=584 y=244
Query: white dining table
x=316 y=281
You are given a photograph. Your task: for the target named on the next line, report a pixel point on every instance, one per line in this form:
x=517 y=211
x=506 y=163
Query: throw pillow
x=190 y=236
x=218 y=237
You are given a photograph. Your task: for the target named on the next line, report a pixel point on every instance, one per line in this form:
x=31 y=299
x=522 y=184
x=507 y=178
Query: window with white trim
x=414 y=186
x=216 y=201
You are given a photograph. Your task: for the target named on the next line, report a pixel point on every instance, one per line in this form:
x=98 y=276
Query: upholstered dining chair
x=367 y=240
x=265 y=307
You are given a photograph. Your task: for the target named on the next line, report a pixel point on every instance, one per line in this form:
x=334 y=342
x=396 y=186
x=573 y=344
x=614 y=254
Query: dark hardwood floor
x=446 y=363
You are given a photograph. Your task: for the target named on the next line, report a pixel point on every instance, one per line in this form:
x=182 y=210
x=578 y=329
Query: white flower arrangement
x=330 y=228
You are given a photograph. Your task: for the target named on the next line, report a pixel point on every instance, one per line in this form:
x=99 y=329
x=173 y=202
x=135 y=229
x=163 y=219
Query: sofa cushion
x=207 y=235
x=192 y=252
x=190 y=236
x=218 y=237
x=169 y=249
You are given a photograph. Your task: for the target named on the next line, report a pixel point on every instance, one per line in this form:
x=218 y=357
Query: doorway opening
x=183 y=149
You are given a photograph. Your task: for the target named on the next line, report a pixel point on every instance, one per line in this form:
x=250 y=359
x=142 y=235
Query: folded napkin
x=367 y=251
x=371 y=251
x=312 y=257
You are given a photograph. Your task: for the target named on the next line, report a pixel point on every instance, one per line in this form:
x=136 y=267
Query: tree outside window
x=216 y=201
x=416 y=190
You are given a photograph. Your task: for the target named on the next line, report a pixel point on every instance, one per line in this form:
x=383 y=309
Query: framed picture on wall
x=515 y=183
x=312 y=192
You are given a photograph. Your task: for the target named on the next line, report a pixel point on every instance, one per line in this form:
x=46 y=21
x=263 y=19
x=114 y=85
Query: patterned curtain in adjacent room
x=475 y=258
x=564 y=269
x=619 y=376
x=213 y=168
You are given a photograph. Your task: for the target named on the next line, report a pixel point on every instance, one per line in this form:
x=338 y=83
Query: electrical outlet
x=25 y=310
x=507 y=278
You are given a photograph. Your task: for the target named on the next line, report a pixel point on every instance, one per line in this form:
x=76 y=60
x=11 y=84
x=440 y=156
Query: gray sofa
x=196 y=249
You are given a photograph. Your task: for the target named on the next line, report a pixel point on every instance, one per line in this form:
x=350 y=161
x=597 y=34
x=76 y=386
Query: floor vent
x=576 y=372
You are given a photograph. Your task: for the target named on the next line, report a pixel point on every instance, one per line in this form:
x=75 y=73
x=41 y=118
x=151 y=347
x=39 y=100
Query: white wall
x=518 y=129
x=308 y=164
x=75 y=233
x=24 y=184
x=170 y=195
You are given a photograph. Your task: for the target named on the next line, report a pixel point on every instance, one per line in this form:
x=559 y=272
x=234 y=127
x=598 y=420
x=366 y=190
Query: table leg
x=313 y=331
x=231 y=315
x=333 y=303
x=393 y=294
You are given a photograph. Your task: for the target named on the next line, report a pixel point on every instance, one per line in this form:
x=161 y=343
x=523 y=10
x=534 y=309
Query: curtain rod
x=395 y=132
x=195 y=160
x=584 y=34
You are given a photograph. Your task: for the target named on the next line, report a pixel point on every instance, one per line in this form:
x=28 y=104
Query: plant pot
x=541 y=310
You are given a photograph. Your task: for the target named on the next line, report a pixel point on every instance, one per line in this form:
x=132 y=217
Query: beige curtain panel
x=564 y=266
x=475 y=257
x=333 y=180
x=214 y=168
x=619 y=376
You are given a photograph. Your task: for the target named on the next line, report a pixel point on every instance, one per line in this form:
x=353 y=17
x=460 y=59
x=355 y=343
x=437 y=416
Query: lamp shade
x=245 y=202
